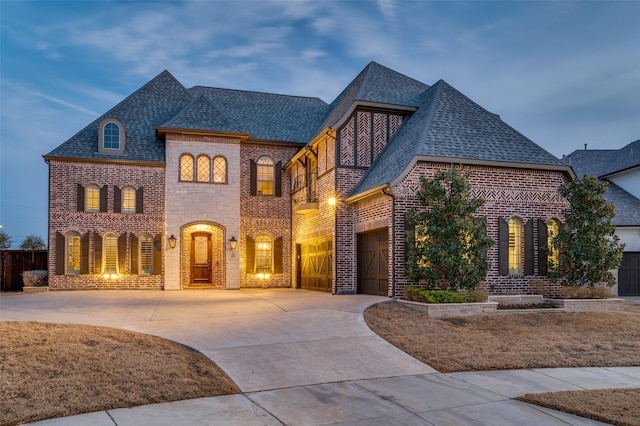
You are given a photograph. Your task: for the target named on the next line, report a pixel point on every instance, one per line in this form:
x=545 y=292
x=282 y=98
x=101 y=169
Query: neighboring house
x=620 y=168
x=178 y=188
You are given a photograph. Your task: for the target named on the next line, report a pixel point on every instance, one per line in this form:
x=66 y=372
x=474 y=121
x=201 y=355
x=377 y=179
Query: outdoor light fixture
x=331 y=201
x=233 y=243
x=172 y=241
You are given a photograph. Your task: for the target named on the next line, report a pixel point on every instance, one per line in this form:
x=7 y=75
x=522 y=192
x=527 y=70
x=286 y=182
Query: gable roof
x=448 y=126
x=154 y=103
x=606 y=162
x=375 y=84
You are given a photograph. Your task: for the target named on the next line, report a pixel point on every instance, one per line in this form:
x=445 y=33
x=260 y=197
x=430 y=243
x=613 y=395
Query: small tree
x=587 y=247
x=447 y=249
x=33 y=242
x=5 y=240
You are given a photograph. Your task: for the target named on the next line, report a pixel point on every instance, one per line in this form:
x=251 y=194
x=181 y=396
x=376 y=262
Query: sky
x=563 y=73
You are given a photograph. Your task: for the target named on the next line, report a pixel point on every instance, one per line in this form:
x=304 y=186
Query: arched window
x=128 y=199
x=73 y=253
x=515 y=246
x=265 y=176
x=92 y=198
x=264 y=254
x=146 y=254
x=111 y=136
x=219 y=170
x=186 y=168
x=110 y=253
x=204 y=168
x=552 y=232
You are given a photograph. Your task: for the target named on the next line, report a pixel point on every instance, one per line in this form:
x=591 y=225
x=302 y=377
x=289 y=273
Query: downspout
x=393 y=240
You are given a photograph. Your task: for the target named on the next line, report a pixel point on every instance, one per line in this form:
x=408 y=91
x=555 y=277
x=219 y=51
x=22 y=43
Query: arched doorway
x=202 y=258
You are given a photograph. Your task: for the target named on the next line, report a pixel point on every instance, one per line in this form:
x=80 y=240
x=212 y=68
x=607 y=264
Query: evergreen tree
x=587 y=247
x=447 y=249
x=32 y=242
x=5 y=240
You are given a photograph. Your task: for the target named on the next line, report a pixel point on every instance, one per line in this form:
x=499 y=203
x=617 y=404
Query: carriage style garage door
x=629 y=275
x=314 y=265
x=373 y=263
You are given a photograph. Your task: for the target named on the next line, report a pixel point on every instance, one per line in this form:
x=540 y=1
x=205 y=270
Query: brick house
x=178 y=188
x=620 y=168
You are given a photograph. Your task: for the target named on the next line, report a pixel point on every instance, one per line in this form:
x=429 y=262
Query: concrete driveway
x=303 y=357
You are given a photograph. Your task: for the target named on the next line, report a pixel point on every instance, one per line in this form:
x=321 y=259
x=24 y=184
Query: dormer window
x=111 y=137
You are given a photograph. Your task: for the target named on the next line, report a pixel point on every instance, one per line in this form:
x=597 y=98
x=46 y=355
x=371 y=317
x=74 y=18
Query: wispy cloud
x=63 y=103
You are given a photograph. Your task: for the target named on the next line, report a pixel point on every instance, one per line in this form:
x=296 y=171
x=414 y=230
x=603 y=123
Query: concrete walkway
x=303 y=357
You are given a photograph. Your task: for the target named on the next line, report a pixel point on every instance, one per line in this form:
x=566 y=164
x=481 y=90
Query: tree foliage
x=33 y=242
x=448 y=248
x=587 y=247
x=5 y=240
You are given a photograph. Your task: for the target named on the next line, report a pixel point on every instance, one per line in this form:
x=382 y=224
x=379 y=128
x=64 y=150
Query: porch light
x=331 y=201
x=172 y=241
x=233 y=243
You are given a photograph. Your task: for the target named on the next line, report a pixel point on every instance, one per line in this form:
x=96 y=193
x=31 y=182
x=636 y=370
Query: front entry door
x=201 y=258
x=373 y=263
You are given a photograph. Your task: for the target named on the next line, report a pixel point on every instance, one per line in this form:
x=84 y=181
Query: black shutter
x=251 y=255
x=157 y=255
x=528 y=248
x=277 y=255
x=104 y=193
x=97 y=253
x=122 y=254
x=503 y=246
x=543 y=250
x=135 y=250
x=84 y=254
x=60 y=258
x=409 y=237
x=253 y=178
x=80 y=198
x=139 y=200
x=278 y=178
x=117 y=200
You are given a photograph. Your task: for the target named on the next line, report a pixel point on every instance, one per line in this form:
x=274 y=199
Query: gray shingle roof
x=198 y=115
x=603 y=162
x=378 y=84
x=153 y=104
x=449 y=124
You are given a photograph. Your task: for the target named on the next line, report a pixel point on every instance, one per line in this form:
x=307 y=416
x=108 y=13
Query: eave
x=161 y=131
x=120 y=161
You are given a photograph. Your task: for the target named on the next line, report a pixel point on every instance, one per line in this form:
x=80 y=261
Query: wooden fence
x=14 y=262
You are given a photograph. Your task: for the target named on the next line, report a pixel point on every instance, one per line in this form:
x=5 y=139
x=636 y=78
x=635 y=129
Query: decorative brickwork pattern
x=347 y=143
x=364 y=139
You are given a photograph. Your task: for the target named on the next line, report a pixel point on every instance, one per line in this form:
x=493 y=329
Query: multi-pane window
x=146 y=254
x=265 y=176
x=219 y=170
x=111 y=137
x=73 y=253
x=92 y=198
x=264 y=254
x=110 y=263
x=515 y=246
x=128 y=200
x=203 y=168
x=186 y=168
x=552 y=232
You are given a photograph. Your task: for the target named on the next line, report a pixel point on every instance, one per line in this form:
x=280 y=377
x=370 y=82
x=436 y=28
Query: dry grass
x=614 y=406
x=54 y=370
x=531 y=340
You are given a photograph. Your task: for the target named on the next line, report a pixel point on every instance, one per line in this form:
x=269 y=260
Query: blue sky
x=562 y=73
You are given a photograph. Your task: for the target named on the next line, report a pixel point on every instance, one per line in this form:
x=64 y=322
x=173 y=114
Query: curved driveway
x=303 y=357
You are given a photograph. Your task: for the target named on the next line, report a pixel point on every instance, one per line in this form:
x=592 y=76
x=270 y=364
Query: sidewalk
x=305 y=358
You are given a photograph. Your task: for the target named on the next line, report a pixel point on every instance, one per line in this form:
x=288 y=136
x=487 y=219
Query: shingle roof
x=449 y=124
x=198 y=115
x=154 y=103
x=266 y=116
x=603 y=162
x=378 y=84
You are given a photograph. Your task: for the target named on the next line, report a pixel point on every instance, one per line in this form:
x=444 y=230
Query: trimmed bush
x=417 y=294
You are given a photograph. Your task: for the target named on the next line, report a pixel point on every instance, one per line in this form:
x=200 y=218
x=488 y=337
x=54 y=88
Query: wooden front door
x=315 y=265
x=373 y=263
x=629 y=275
x=201 y=258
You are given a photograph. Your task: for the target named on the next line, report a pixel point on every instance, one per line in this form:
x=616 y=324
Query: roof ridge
x=255 y=92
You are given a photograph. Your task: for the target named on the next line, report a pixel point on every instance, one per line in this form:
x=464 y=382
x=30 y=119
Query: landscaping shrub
x=417 y=294
x=34 y=278
x=578 y=292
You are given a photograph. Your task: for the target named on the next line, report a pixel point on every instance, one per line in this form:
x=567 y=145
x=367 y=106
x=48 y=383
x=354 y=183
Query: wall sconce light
x=332 y=201
x=172 y=242
x=233 y=244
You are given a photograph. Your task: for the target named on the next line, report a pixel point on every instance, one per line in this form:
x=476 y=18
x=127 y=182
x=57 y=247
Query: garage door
x=315 y=265
x=629 y=275
x=373 y=263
